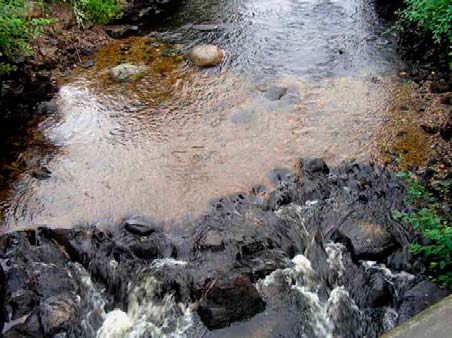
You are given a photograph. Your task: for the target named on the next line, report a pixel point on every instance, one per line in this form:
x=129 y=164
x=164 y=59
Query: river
x=163 y=147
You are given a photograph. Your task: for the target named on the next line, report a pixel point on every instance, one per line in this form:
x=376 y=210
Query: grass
x=430 y=220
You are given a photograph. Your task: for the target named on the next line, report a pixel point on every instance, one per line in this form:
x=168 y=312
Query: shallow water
x=165 y=145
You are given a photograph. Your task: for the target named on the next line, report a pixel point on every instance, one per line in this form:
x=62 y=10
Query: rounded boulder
x=206 y=55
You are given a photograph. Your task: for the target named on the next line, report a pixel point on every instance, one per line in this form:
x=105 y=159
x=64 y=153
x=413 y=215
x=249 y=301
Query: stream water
x=165 y=145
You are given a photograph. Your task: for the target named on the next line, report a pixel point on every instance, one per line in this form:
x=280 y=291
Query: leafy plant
x=437 y=232
x=16 y=30
x=98 y=11
x=434 y=16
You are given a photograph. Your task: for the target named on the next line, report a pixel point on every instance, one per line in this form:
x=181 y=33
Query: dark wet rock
x=429 y=129
x=35 y=278
x=122 y=32
x=369 y=241
x=446 y=99
x=206 y=55
x=419 y=298
x=446 y=129
x=314 y=166
x=88 y=64
x=380 y=293
x=226 y=301
x=388 y=9
x=211 y=239
x=139 y=227
x=140 y=11
x=47 y=108
x=208 y=27
x=275 y=93
x=57 y=312
x=279 y=176
x=22 y=303
x=31 y=327
x=41 y=173
x=439 y=86
x=403 y=260
x=278 y=198
x=155 y=246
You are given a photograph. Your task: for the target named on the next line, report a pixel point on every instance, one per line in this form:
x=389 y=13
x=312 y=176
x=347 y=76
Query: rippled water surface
x=165 y=144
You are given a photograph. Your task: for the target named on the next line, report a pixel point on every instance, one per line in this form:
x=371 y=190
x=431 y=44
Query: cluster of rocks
x=139 y=11
x=243 y=239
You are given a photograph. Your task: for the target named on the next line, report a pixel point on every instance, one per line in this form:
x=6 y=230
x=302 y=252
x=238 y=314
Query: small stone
x=430 y=129
x=442 y=166
x=207 y=27
x=206 y=55
x=41 y=173
x=275 y=93
x=46 y=108
x=122 y=32
x=138 y=227
x=211 y=240
x=126 y=71
x=88 y=64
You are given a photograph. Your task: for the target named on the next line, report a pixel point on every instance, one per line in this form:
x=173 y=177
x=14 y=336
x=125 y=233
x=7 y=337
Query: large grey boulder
x=206 y=55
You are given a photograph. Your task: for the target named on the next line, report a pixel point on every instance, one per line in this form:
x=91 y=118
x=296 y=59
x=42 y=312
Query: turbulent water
x=166 y=145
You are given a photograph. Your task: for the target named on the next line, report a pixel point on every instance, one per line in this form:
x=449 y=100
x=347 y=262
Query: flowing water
x=163 y=146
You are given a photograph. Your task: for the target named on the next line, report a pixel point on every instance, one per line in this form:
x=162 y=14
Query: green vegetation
x=17 y=28
x=98 y=11
x=429 y=218
x=434 y=16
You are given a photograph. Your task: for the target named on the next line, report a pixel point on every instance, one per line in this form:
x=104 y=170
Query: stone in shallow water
x=126 y=71
x=206 y=55
x=139 y=227
x=46 y=108
x=275 y=93
x=121 y=32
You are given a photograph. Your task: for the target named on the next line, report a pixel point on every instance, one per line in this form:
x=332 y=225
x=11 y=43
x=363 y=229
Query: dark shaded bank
x=388 y=9
x=61 y=47
x=426 y=60
x=309 y=253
